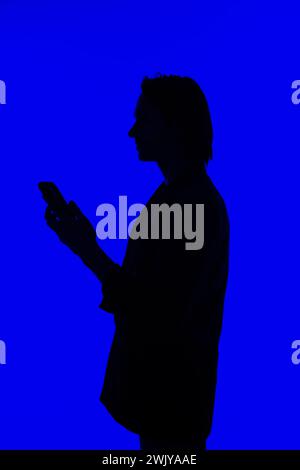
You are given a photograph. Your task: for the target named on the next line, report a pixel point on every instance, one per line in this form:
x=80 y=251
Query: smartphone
x=53 y=196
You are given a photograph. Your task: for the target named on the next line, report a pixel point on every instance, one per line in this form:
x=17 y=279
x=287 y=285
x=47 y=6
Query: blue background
x=73 y=73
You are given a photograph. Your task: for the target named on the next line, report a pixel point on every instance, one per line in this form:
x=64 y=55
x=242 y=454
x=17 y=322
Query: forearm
x=98 y=261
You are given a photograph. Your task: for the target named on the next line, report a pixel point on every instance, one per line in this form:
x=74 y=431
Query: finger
x=77 y=214
x=54 y=221
x=52 y=214
x=57 y=215
x=74 y=209
x=52 y=195
x=54 y=225
x=59 y=228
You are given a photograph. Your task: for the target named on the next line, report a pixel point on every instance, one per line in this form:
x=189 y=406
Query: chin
x=142 y=157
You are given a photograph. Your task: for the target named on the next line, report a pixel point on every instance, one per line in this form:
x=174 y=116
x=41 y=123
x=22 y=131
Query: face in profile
x=150 y=131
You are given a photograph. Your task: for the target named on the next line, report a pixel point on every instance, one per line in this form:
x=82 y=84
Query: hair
x=182 y=102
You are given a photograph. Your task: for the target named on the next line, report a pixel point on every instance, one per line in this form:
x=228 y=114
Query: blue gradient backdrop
x=73 y=72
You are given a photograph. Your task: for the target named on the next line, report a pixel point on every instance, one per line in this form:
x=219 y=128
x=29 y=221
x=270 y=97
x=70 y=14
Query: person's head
x=172 y=121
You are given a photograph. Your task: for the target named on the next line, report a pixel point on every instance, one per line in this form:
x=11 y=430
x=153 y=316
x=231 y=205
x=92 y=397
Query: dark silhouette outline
x=167 y=302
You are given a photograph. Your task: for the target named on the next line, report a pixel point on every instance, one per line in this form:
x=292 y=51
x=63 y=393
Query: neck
x=174 y=170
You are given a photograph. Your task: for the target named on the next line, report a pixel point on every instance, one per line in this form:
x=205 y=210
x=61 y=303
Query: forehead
x=145 y=106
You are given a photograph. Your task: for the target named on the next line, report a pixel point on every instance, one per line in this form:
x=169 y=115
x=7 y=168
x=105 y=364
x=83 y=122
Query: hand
x=74 y=230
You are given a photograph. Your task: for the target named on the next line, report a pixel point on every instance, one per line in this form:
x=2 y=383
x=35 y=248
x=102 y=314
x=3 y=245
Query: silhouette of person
x=167 y=301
